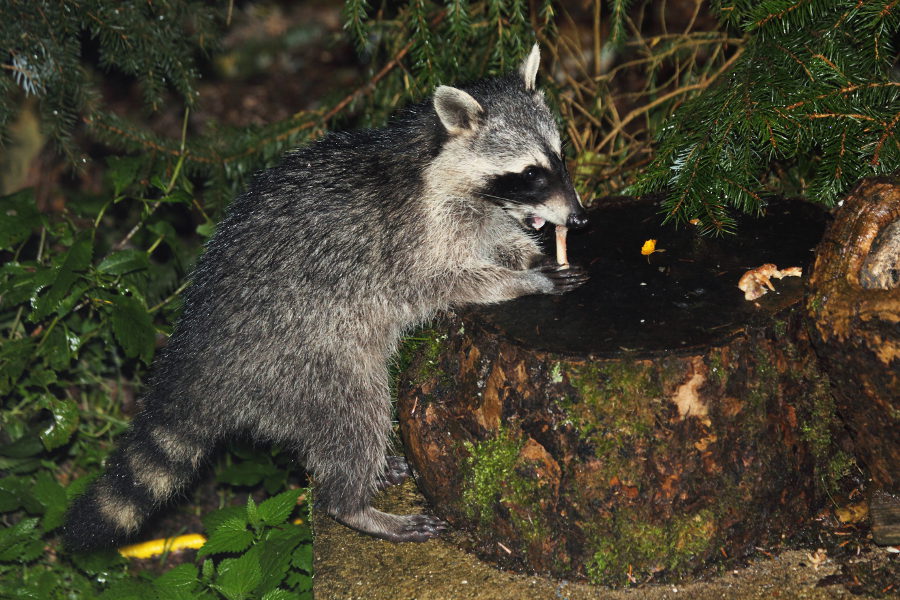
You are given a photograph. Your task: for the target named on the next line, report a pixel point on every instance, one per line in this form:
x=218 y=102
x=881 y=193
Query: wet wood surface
x=854 y=307
x=645 y=425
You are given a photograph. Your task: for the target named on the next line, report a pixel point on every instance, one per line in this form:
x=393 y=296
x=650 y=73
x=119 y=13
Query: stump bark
x=854 y=307
x=643 y=426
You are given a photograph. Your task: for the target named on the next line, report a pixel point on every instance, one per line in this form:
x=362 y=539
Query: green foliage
x=438 y=42
x=154 y=42
x=809 y=106
x=82 y=302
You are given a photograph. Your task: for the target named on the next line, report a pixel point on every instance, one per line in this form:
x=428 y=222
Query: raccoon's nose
x=577 y=220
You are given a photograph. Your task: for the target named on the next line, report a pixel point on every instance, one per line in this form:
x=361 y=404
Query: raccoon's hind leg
x=349 y=463
x=153 y=462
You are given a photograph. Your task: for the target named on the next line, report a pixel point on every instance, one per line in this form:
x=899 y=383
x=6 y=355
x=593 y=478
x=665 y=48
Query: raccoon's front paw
x=564 y=278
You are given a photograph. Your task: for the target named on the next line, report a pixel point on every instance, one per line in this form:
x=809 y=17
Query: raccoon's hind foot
x=394 y=528
x=396 y=472
x=565 y=278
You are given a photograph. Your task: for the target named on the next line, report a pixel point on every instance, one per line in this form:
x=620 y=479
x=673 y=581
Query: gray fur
x=311 y=279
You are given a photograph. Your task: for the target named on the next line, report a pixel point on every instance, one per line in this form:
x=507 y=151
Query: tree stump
x=854 y=306
x=643 y=426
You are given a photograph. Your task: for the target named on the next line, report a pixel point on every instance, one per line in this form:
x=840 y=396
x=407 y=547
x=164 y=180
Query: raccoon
x=302 y=294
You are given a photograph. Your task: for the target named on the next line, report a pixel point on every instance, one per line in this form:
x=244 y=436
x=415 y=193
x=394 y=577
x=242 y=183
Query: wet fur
x=302 y=294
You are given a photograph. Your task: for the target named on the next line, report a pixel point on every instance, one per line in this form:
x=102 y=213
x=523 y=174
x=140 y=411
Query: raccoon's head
x=503 y=147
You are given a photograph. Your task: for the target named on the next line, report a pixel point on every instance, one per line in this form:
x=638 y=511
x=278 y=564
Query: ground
x=351 y=566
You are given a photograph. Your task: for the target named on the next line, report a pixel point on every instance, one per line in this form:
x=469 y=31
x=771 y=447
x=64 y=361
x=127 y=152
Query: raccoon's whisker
x=510 y=200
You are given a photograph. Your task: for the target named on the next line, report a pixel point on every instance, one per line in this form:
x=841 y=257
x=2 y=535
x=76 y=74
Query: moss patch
x=633 y=547
x=423 y=349
x=494 y=474
x=616 y=410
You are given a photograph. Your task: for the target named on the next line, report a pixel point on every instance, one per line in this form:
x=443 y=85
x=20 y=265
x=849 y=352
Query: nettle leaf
x=52 y=496
x=63 y=423
x=13 y=491
x=302 y=558
x=277 y=509
x=18 y=217
x=133 y=328
x=21 y=542
x=275 y=558
x=61 y=346
x=163 y=229
x=122 y=171
x=178 y=583
x=67 y=271
x=78 y=486
x=124 y=261
x=42 y=378
x=25 y=447
x=206 y=229
x=212 y=520
x=279 y=595
x=252 y=513
x=231 y=535
x=247 y=473
x=102 y=563
x=178 y=197
x=129 y=589
x=237 y=577
x=14 y=355
x=300 y=582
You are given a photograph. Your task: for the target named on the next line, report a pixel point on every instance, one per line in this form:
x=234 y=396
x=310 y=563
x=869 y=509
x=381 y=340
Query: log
x=641 y=427
x=854 y=307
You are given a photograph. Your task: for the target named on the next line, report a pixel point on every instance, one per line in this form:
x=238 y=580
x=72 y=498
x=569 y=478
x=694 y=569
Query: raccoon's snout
x=577 y=220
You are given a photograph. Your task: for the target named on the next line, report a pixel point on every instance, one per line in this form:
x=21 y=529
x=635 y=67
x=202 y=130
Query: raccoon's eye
x=531 y=173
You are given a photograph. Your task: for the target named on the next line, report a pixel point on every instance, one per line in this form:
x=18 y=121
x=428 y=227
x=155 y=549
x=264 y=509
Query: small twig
x=666 y=97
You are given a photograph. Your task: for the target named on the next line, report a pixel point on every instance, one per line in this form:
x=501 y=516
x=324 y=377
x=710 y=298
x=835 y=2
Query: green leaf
x=212 y=520
x=163 y=228
x=62 y=425
x=276 y=510
x=302 y=558
x=124 y=261
x=237 y=577
x=231 y=535
x=61 y=346
x=99 y=563
x=252 y=513
x=18 y=217
x=21 y=542
x=299 y=582
x=275 y=558
x=178 y=197
x=12 y=492
x=14 y=355
x=279 y=595
x=177 y=583
x=52 y=496
x=76 y=260
x=133 y=328
x=122 y=171
x=247 y=473
x=130 y=589
x=26 y=446
x=206 y=229
x=209 y=570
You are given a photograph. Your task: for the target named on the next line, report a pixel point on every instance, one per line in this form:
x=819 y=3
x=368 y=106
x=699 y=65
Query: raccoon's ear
x=457 y=110
x=529 y=67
